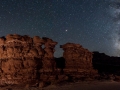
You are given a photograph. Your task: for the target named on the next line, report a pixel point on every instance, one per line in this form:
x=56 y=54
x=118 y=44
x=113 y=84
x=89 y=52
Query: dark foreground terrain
x=86 y=85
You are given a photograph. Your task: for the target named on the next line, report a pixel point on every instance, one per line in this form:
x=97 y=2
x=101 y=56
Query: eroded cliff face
x=48 y=61
x=22 y=57
x=77 y=59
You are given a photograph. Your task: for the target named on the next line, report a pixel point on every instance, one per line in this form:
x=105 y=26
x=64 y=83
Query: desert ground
x=85 y=85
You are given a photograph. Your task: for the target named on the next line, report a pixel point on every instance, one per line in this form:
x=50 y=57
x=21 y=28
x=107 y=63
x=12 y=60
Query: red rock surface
x=23 y=59
x=77 y=59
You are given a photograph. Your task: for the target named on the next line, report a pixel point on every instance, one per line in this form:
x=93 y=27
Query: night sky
x=95 y=24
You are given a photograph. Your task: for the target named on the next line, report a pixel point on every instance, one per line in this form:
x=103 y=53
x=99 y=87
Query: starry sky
x=94 y=24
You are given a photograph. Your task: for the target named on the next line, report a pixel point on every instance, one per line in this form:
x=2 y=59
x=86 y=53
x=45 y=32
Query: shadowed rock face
x=21 y=57
x=106 y=64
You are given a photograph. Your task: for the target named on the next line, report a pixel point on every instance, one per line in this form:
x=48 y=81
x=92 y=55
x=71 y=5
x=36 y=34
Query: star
x=94 y=24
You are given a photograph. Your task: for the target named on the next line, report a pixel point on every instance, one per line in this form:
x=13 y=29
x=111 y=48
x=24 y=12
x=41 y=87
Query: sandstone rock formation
x=77 y=59
x=22 y=57
x=48 y=61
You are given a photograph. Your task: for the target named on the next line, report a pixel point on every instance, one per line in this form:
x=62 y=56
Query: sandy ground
x=94 y=85
x=89 y=85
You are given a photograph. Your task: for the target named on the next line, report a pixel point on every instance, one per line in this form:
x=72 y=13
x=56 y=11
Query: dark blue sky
x=87 y=22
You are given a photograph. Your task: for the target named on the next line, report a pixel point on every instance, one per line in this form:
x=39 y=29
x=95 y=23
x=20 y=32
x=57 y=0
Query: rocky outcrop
x=23 y=57
x=76 y=56
x=48 y=61
x=106 y=64
x=77 y=59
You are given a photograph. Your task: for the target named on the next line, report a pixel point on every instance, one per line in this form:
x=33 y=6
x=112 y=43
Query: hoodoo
x=78 y=60
x=24 y=59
